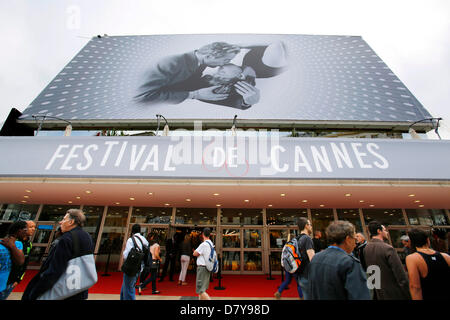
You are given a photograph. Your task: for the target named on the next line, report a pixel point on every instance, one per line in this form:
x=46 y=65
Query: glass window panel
x=321 y=218
x=93 y=219
x=231 y=260
x=285 y=216
x=36 y=256
x=384 y=216
x=54 y=212
x=278 y=238
x=242 y=216
x=154 y=215
x=112 y=238
x=252 y=238
x=352 y=216
x=231 y=238
x=395 y=237
x=427 y=217
x=252 y=261
x=275 y=261
x=196 y=216
x=13 y=212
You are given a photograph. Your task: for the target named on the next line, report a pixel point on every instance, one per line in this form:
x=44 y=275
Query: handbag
x=79 y=276
x=154 y=265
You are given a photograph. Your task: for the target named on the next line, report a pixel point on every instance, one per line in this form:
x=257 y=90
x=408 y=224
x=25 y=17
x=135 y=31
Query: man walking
x=18 y=271
x=203 y=275
x=11 y=254
x=306 y=249
x=394 y=283
x=334 y=273
x=60 y=254
x=361 y=243
x=128 y=291
x=171 y=255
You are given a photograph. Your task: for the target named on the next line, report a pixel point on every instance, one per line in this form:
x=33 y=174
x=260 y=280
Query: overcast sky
x=39 y=37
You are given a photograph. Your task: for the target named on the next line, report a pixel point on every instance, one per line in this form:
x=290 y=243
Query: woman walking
x=186 y=252
x=154 y=268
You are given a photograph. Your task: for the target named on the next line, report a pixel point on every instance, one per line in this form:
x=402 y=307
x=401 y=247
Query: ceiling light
x=322 y=205
x=132 y=198
x=150 y=193
x=28 y=191
x=218 y=205
x=188 y=200
x=24 y=201
x=371 y=205
x=167 y=204
x=26 y=197
x=348 y=194
x=215 y=194
x=361 y=201
x=69 y=201
x=411 y=195
x=269 y=205
x=283 y=194
x=417 y=201
x=117 y=203
x=246 y=200
x=305 y=201
x=421 y=205
x=78 y=198
x=88 y=191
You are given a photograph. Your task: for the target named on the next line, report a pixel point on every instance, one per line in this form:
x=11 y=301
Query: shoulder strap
x=75 y=243
x=134 y=242
x=142 y=243
x=212 y=248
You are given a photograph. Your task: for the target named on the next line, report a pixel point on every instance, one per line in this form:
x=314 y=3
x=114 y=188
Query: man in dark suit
x=394 y=284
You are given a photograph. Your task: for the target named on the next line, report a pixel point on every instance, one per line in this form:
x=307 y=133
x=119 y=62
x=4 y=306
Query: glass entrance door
x=43 y=237
x=242 y=249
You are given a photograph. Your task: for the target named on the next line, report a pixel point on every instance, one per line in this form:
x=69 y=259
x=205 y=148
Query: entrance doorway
x=43 y=237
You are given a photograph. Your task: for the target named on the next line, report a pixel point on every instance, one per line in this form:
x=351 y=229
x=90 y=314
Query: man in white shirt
x=203 y=275
x=128 y=291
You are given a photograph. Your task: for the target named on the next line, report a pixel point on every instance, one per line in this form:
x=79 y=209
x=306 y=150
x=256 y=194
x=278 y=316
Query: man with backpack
x=306 y=252
x=206 y=263
x=134 y=255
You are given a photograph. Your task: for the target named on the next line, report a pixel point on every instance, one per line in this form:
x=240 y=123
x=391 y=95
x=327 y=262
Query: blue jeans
x=303 y=282
x=287 y=280
x=128 y=292
x=5 y=293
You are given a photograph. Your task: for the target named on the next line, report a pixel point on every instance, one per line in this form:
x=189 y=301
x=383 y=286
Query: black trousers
x=170 y=262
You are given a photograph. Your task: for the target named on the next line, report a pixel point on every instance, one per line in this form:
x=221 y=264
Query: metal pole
x=270 y=268
x=219 y=276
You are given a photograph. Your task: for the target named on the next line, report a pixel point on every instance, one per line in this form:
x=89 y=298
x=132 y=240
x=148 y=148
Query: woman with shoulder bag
x=154 y=267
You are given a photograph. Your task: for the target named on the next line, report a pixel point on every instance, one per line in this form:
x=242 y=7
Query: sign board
x=224 y=158
x=216 y=76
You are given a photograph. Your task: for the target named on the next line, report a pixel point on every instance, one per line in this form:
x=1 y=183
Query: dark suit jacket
x=394 y=281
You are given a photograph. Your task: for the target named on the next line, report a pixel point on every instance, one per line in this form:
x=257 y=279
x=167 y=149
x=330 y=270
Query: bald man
x=358 y=252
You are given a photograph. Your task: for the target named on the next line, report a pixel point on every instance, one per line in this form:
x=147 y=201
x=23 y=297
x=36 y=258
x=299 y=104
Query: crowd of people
x=352 y=268
x=349 y=268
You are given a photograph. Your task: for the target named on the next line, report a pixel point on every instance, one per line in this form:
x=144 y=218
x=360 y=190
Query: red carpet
x=235 y=286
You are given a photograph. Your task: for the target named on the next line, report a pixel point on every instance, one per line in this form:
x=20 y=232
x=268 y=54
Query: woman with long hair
x=154 y=268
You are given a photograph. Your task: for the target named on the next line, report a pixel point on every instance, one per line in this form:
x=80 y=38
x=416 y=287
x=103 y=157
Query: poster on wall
x=217 y=76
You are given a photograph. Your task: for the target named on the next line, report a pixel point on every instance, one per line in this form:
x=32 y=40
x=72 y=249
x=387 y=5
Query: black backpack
x=132 y=265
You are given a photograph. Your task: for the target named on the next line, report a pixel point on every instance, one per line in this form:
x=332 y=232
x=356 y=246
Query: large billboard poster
x=257 y=77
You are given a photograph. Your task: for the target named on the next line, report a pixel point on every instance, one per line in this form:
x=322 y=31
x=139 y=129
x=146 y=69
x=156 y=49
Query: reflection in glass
x=275 y=260
x=54 y=212
x=36 y=256
x=427 y=217
x=352 y=216
x=93 y=219
x=252 y=261
x=153 y=215
x=14 y=212
x=112 y=237
x=252 y=238
x=43 y=233
x=242 y=216
x=231 y=238
x=395 y=237
x=384 y=216
x=285 y=216
x=278 y=238
x=196 y=216
x=231 y=260
x=321 y=219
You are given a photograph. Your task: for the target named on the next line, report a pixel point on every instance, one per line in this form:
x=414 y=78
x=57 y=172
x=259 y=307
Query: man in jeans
x=306 y=248
x=128 y=291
